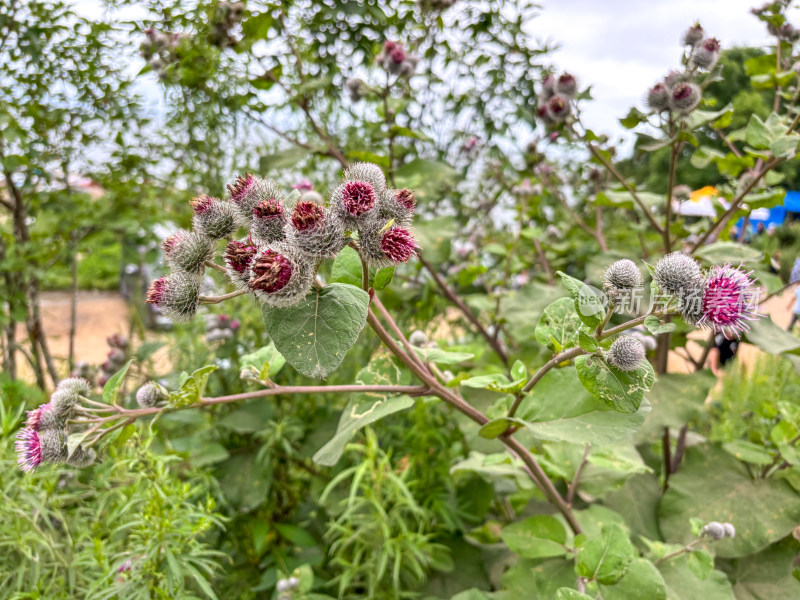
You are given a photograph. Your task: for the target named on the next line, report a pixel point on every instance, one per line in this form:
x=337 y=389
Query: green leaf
x=347 y=267
x=767 y=575
x=315 y=334
x=496 y=382
x=266 y=361
x=637 y=501
x=588 y=302
x=560 y=409
x=633 y=118
x=296 y=535
x=522 y=308
x=785 y=146
x=367 y=407
x=714 y=486
x=559 y=325
x=641 y=580
x=676 y=399
x=74 y=441
x=683 y=584
x=539 y=536
x=748 y=452
x=244 y=481
x=382 y=278
x=284 y=159
x=757 y=134
x=771 y=338
x=253 y=415
x=607 y=557
x=655 y=325
x=534 y=579
x=498 y=426
x=111 y=388
x=193 y=387
x=621 y=390
x=442 y=357
x=570 y=594
x=723 y=252
x=587 y=342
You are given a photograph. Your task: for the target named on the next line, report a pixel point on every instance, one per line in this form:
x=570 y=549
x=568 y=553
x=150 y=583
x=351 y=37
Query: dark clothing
x=727 y=348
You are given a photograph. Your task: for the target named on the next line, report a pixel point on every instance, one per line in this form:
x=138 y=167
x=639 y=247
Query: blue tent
x=777 y=214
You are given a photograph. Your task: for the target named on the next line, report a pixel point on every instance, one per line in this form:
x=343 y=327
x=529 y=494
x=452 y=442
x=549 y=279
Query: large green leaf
x=521 y=309
x=714 y=486
x=560 y=409
x=559 y=325
x=605 y=558
x=621 y=390
x=684 y=584
x=676 y=399
x=367 y=407
x=531 y=579
x=434 y=236
x=641 y=580
x=588 y=300
x=766 y=575
x=637 y=501
x=729 y=252
x=347 y=267
x=539 y=536
x=315 y=334
x=771 y=338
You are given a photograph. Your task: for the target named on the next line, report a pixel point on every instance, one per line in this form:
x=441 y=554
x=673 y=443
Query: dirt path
x=99 y=315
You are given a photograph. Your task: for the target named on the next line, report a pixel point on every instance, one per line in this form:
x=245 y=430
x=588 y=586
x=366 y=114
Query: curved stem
x=218 y=299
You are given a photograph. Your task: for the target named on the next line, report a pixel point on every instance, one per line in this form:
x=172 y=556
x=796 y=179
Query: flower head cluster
x=677 y=92
x=43 y=439
x=556 y=97
x=221 y=328
x=117 y=355
x=396 y=60
x=278 y=258
x=723 y=299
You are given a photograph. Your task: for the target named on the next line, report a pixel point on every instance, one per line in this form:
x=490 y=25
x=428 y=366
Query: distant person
x=760 y=228
x=724 y=350
x=796 y=310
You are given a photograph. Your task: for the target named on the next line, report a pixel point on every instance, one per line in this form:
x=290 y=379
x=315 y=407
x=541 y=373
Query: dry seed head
x=626 y=353
x=678 y=274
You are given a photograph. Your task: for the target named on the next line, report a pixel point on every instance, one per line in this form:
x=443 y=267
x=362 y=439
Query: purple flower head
x=157 y=291
x=238 y=255
x=169 y=244
x=306 y=215
x=406 y=198
x=239 y=188
x=358 y=197
x=304 y=185
x=29 y=449
x=37 y=416
x=271 y=272
x=728 y=301
x=202 y=204
x=268 y=209
x=398 y=245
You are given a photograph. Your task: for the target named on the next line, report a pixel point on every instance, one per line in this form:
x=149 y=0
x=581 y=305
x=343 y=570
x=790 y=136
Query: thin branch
x=212 y=265
x=573 y=486
x=218 y=299
x=453 y=297
x=666 y=451
x=618 y=176
x=770 y=164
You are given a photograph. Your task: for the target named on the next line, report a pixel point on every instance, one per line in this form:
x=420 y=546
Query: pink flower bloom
x=729 y=301
x=36 y=416
x=239 y=188
x=29 y=449
x=202 y=204
x=306 y=215
x=304 y=185
x=239 y=254
x=398 y=245
x=358 y=197
x=268 y=209
x=271 y=272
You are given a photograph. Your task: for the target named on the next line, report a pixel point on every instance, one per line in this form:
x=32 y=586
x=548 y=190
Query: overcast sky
x=621 y=47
